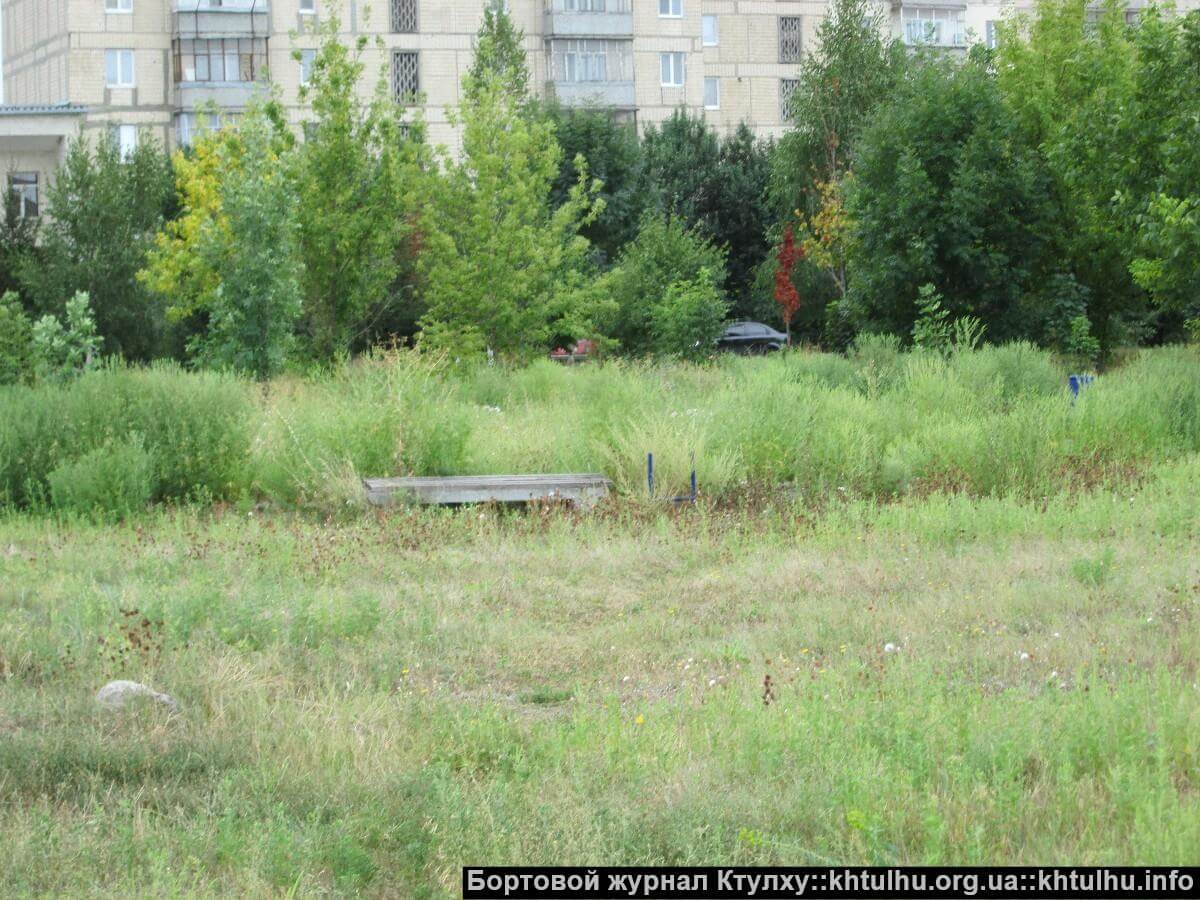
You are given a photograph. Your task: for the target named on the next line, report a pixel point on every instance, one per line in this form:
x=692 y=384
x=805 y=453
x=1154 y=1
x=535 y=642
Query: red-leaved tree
x=786 y=294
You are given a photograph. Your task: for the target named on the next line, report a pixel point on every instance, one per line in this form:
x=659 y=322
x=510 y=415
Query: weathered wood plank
x=582 y=490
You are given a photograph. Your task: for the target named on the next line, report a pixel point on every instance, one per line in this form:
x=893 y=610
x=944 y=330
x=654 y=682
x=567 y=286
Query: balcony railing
x=609 y=94
x=221 y=18
x=222 y=6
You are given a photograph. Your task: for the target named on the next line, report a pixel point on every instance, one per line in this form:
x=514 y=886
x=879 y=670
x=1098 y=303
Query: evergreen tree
x=18 y=240
x=104 y=213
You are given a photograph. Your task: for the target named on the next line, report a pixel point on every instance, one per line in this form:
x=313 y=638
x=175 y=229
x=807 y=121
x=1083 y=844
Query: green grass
x=876 y=425
x=371 y=703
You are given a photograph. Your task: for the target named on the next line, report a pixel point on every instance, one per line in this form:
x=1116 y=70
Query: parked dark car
x=751 y=337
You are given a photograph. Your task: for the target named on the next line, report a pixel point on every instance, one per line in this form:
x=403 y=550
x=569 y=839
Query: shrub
x=665 y=252
x=63 y=352
x=688 y=321
x=107 y=483
x=16 y=339
x=1082 y=348
x=931 y=331
x=195 y=427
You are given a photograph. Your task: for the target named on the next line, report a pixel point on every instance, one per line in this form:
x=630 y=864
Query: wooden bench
x=583 y=491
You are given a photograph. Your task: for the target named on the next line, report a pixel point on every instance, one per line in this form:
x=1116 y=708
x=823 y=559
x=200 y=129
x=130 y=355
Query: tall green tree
x=945 y=193
x=253 y=250
x=360 y=175
x=504 y=270
x=104 y=213
x=499 y=57
x=717 y=187
x=614 y=158
x=1071 y=79
x=1167 y=92
x=184 y=267
x=854 y=67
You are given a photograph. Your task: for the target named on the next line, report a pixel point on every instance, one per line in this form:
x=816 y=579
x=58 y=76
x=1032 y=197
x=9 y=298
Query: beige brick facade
x=56 y=54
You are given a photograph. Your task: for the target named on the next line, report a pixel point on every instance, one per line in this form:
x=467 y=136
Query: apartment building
x=153 y=67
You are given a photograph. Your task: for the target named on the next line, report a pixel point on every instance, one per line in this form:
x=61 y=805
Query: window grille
x=790 y=39
x=406 y=78
x=787 y=91
x=404 y=16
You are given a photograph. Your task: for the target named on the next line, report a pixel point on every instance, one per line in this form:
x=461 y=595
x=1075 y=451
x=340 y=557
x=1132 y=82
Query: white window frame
x=126 y=138
x=674 y=63
x=715 y=22
x=934 y=26
x=118 y=7
x=989 y=34
x=27 y=194
x=307 y=59
x=715 y=84
x=670 y=9
x=120 y=57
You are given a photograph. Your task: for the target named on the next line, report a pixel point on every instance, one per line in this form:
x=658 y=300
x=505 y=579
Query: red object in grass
x=786 y=294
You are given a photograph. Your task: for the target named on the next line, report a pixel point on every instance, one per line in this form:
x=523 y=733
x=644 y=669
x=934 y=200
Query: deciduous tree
x=360 y=176
x=502 y=269
x=786 y=295
x=252 y=251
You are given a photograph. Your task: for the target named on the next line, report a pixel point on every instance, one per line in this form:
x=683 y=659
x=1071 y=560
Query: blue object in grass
x=1078 y=382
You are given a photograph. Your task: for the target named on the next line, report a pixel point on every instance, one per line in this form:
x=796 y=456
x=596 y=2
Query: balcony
x=589 y=18
x=225 y=71
x=221 y=18
x=610 y=94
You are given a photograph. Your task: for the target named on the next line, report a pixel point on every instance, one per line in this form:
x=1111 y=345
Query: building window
x=791 y=44
x=126 y=139
x=118 y=68
x=404 y=16
x=188 y=126
x=787 y=91
x=221 y=59
x=591 y=60
x=712 y=93
x=24 y=186
x=590 y=5
x=307 y=59
x=672 y=69
x=989 y=34
x=712 y=36
x=941 y=27
x=406 y=76
x=670 y=9
x=308 y=7
x=118 y=6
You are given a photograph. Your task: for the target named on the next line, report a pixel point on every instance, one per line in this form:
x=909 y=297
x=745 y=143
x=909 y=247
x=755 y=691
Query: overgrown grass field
x=372 y=700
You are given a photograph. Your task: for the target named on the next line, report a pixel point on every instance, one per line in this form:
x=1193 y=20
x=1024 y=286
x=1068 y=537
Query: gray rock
x=116 y=695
